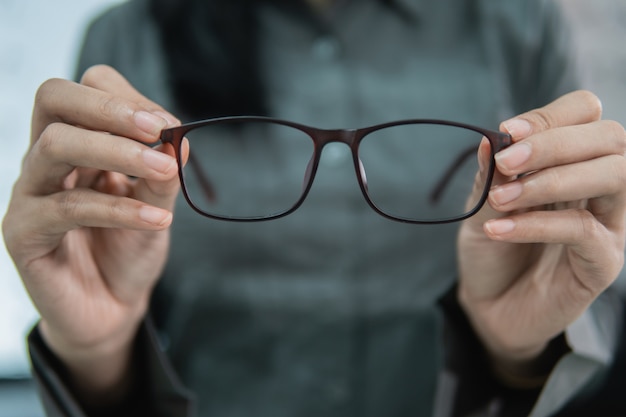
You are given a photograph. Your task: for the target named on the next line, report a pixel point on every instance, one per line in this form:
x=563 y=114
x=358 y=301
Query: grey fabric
x=332 y=311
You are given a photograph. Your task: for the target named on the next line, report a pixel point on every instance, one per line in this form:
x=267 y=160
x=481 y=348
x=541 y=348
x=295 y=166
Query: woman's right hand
x=87 y=224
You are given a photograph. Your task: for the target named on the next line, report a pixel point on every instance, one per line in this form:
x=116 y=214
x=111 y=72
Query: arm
x=582 y=368
x=531 y=44
x=551 y=240
x=89 y=242
x=156 y=391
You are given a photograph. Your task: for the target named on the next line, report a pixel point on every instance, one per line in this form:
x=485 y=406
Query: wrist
x=528 y=371
x=99 y=373
x=515 y=359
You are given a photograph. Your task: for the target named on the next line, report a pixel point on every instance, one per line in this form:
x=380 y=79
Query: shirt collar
x=409 y=11
x=413 y=7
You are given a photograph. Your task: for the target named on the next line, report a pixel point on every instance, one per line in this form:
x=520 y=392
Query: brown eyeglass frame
x=350 y=137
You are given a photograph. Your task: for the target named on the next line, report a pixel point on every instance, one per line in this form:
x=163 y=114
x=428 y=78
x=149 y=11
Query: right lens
x=242 y=169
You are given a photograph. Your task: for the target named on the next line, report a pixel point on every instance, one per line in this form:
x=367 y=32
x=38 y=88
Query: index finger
x=106 y=78
x=576 y=108
x=97 y=109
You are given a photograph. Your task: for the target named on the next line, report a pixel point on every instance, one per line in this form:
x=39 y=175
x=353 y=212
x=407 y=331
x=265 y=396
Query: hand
x=551 y=237
x=88 y=241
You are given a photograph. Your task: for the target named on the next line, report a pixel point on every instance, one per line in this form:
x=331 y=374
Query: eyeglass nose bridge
x=323 y=137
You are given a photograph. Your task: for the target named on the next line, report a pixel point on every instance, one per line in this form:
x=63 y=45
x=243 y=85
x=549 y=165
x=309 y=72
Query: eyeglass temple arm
x=172 y=137
x=500 y=141
x=203 y=179
x=444 y=181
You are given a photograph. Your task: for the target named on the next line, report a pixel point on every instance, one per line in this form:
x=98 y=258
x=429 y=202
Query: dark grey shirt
x=333 y=310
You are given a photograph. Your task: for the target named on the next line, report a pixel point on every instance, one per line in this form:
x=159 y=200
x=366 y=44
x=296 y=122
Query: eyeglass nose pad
x=362 y=174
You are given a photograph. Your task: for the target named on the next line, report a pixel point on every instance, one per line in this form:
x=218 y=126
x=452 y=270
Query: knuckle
x=543 y=119
x=549 y=182
x=614 y=128
x=109 y=106
x=620 y=168
x=94 y=74
x=8 y=224
x=616 y=178
x=15 y=240
x=69 y=205
x=18 y=229
x=49 y=140
x=590 y=228
x=117 y=209
x=592 y=103
x=86 y=207
x=608 y=254
x=616 y=132
x=47 y=90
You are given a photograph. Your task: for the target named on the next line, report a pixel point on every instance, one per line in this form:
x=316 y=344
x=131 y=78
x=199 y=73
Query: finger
x=50 y=217
x=480 y=182
x=562 y=146
x=159 y=193
x=577 y=228
x=71 y=103
x=83 y=178
x=578 y=107
x=600 y=178
x=62 y=148
x=77 y=208
x=106 y=78
x=113 y=183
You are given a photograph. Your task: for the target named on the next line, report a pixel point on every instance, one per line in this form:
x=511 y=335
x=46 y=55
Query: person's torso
x=331 y=310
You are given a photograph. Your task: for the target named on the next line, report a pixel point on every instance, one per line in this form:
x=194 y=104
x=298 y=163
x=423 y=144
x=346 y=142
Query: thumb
x=485 y=164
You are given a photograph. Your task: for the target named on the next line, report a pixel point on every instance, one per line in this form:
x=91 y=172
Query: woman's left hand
x=551 y=237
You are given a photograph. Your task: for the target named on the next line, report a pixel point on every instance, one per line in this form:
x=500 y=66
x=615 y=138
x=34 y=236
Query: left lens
x=421 y=172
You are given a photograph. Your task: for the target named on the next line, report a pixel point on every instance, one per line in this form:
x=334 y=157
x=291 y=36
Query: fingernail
x=506 y=193
x=149 y=123
x=154 y=215
x=518 y=128
x=514 y=156
x=500 y=226
x=158 y=161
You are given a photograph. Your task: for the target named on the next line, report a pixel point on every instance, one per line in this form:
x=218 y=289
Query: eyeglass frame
x=352 y=138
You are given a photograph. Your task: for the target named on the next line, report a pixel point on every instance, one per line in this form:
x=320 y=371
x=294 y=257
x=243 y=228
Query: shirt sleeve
x=158 y=391
x=587 y=359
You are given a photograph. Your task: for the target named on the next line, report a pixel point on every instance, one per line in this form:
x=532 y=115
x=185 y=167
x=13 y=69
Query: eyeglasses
x=259 y=168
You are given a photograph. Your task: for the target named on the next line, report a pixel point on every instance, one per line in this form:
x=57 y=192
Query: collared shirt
x=333 y=310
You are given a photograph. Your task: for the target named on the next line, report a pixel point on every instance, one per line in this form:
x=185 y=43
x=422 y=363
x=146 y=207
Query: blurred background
x=39 y=39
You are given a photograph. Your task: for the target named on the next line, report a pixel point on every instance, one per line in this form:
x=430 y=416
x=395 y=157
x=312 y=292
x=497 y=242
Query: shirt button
x=326 y=48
